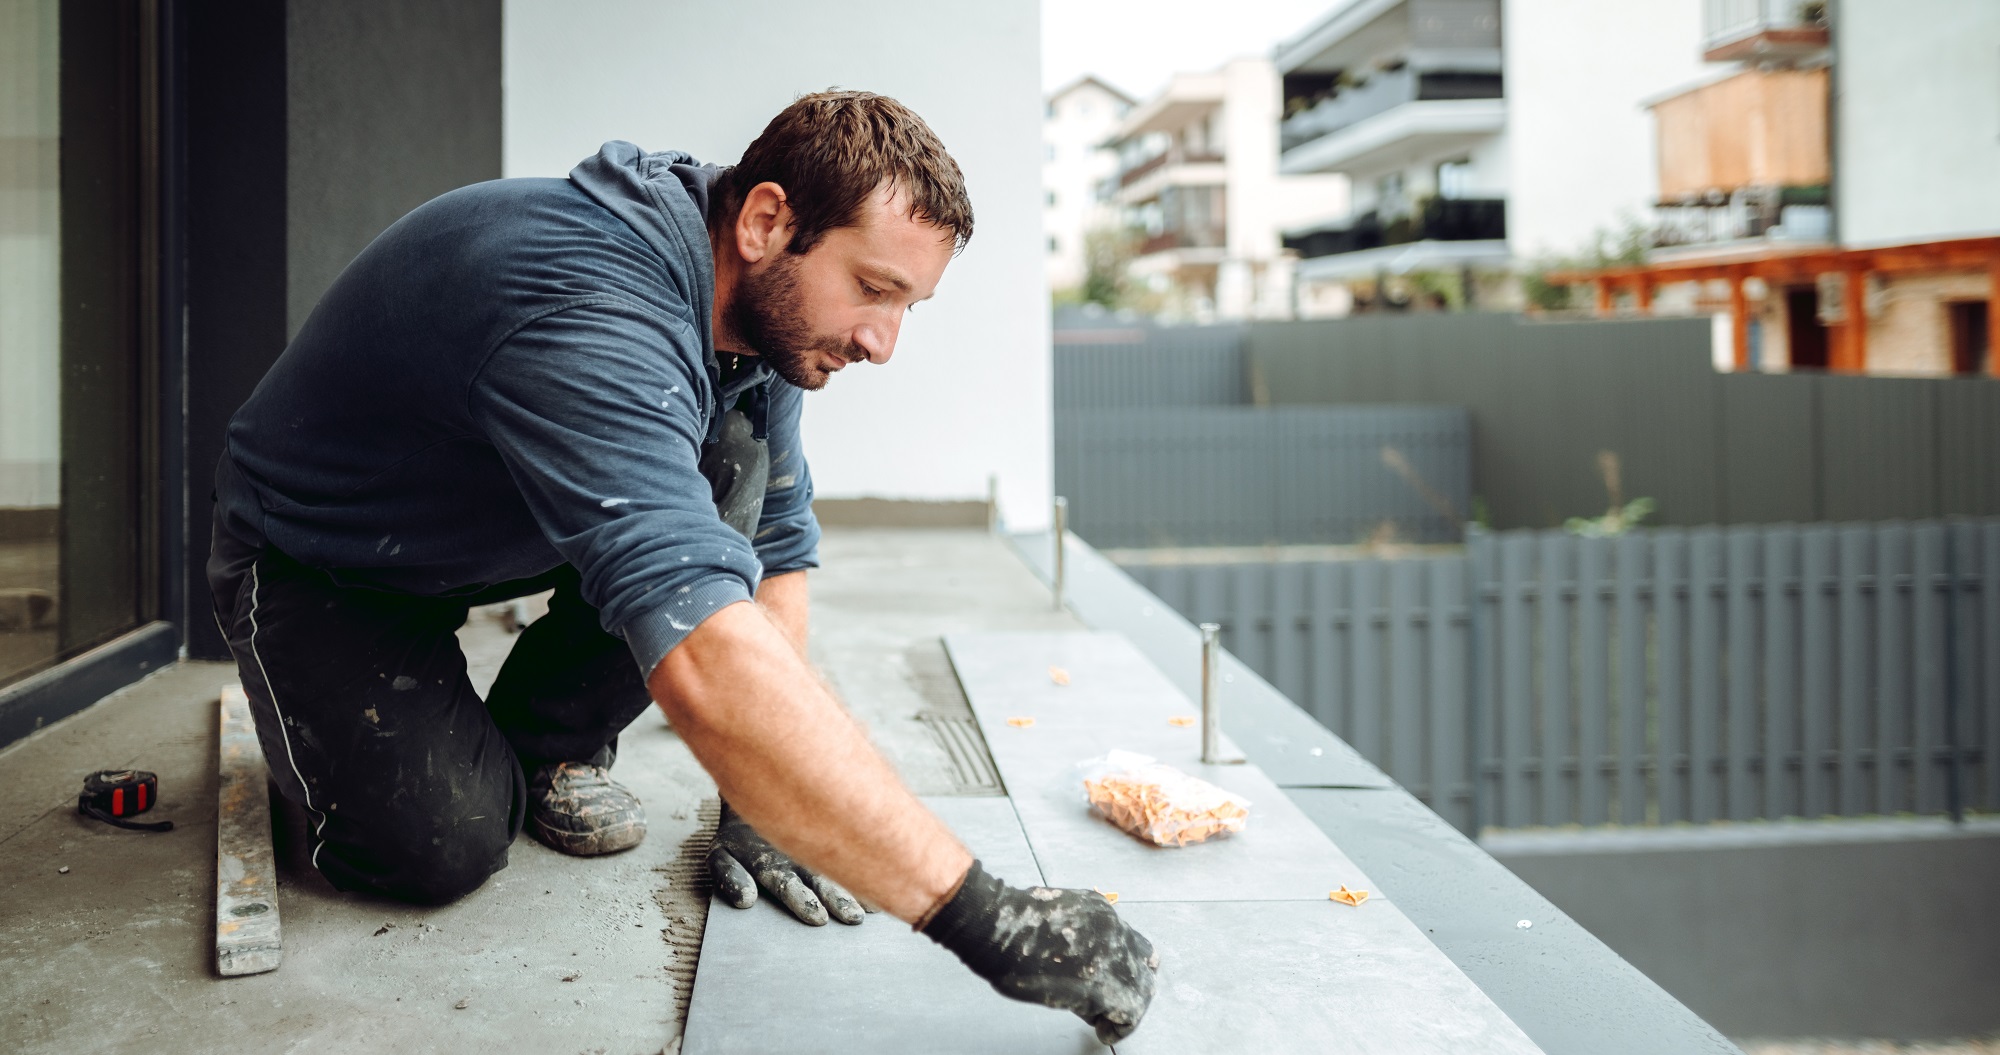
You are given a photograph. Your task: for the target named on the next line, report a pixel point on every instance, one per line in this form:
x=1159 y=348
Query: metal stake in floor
x=1059 y=529
x=1212 y=753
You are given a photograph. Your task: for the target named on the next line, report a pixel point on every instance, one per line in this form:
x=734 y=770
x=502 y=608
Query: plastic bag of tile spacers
x=1159 y=803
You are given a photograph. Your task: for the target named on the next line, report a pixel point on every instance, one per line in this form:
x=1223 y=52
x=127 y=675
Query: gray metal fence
x=1663 y=676
x=1546 y=397
x=1187 y=366
x=1205 y=476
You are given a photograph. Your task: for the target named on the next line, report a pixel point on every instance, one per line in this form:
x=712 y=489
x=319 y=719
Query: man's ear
x=764 y=224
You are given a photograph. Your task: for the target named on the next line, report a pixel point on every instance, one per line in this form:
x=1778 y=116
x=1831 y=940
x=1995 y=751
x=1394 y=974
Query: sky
x=1136 y=44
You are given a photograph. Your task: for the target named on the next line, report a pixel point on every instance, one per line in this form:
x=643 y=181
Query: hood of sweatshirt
x=664 y=197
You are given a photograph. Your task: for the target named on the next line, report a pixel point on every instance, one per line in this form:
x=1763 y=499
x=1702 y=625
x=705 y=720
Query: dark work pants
x=413 y=785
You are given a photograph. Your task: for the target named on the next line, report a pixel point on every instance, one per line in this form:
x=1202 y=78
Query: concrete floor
x=554 y=954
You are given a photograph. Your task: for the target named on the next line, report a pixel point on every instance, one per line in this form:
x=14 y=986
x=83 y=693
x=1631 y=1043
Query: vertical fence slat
x=1556 y=556
x=1964 y=570
x=1593 y=695
x=1329 y=601
x=1817 y=595
x=1633 y=571
x=1705 y=615
x=1482 y=553
x=1671 y=594
x=1988 y=698
x=1289 y=645
x=1406 y=679
x=1892 y=667
x=1251 y=611
x=1451 y=763
x=1365 y=659
x=1782 y=797
x=1742 y=575
x=1857 y=563
x=1927 y=655
x=1515 y=662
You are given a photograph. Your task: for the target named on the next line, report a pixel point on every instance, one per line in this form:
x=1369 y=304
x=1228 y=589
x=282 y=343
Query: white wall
x=967 y=393
x=1919 y=119
x=1580 y=143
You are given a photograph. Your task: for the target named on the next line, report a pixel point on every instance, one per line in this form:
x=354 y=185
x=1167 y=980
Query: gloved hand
x=741 y=861
x=1064 y=948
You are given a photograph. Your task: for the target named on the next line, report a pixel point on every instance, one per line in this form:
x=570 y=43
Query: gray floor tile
x=768 y=983
x=1282 y=977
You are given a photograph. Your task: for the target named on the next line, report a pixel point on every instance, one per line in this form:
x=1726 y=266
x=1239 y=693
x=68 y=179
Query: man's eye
x=870 y=290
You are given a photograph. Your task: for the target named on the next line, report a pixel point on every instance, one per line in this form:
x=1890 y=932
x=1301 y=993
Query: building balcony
x=1744 y=220
x=1149 y=179
x=1763 y=30
x=1209 y=237
x=1163 y=159
x=1382 y=93
x=1439 y=220
x=1443 y=233
x=1385 y=137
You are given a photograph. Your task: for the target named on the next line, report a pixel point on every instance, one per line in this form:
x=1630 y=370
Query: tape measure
x=111 y=795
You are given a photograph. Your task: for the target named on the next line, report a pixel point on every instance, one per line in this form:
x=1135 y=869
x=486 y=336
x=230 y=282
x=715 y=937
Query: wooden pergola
x=1847 y=348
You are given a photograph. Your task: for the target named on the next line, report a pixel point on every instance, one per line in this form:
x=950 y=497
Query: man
x=593 y=385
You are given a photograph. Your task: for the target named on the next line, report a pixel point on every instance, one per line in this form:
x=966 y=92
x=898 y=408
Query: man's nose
x=877 y=337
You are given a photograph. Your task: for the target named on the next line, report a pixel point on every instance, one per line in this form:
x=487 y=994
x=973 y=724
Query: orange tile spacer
x=1182 y=721
x=1020 y=723
x=1059 y=675
x=1348 y=897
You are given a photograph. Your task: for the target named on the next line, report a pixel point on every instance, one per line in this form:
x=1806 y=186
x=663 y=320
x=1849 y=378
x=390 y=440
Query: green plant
x=1106 y=252
x=1622 y=516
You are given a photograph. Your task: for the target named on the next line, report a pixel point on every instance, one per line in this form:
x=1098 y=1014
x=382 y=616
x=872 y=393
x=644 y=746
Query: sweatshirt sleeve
x=787 y=533
x=597 y=412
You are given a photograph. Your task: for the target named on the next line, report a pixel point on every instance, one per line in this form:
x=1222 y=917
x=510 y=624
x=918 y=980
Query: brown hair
x=830 y=150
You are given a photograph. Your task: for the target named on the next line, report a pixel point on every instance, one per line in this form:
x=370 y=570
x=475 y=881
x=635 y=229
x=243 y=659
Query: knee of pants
x=428 y=860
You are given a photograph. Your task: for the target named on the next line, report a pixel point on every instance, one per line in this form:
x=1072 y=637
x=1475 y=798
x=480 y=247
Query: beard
x=767 y=315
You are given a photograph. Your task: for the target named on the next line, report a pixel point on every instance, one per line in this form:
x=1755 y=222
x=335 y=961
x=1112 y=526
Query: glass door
x=74 y=413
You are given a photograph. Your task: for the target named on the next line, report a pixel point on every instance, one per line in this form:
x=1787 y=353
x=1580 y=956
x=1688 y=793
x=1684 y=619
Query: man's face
x=808 y=315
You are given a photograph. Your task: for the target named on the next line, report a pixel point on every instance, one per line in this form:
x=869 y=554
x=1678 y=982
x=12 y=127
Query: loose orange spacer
x=1020 y=723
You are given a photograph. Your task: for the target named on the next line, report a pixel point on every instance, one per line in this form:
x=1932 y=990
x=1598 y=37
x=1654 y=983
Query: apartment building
x=1826 y=187
x=1077 y=119
x=1197 y=178
x=1480 y=136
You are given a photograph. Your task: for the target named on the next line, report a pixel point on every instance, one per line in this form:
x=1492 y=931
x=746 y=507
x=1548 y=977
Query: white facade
x=1075 y=164
x=1582 y=151
x=967 y=393
x=1200 y=178
x=1918 y=115
x=1563 y=138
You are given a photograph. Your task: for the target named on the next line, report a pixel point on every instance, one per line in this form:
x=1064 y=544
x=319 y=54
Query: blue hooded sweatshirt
x=516 y=375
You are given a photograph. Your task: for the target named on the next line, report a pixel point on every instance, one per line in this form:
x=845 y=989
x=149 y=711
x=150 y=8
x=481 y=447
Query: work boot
x=577 y=808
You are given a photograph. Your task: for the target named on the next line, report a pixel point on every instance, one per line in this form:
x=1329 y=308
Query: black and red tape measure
x=111 y=795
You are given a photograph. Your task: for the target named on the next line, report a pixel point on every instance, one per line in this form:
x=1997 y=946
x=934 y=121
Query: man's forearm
x=789 y=758
x=786 y=598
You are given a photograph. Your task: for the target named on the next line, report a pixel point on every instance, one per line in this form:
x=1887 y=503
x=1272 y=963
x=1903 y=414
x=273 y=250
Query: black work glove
x=1064 y=948
x=741 y=861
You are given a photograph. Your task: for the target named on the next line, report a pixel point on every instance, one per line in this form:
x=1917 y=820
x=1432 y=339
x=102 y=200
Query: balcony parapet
x=1384 y=92
x=1436 y=220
